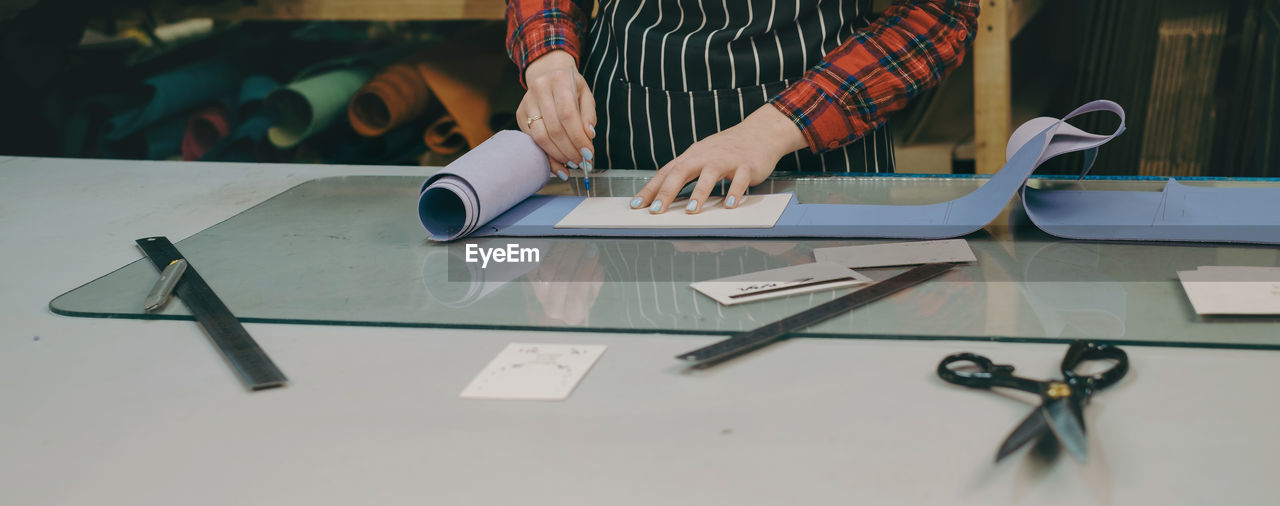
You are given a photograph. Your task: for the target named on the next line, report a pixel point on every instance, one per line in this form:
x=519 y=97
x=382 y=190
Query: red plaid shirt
x=909 y=49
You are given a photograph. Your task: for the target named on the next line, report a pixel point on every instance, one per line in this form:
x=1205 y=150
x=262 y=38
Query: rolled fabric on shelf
x=394 y=96
x=443 y=137
x=206 y=127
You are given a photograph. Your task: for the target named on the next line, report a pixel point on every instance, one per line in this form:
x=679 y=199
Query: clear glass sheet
x=350 y=251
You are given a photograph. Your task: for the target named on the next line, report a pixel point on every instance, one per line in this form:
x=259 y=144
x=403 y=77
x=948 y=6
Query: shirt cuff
x=829 y=110
x=541 y=34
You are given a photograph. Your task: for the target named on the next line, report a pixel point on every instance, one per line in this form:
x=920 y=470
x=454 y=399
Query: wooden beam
x=343 y=10
x=1021 y=12
x=992 y=86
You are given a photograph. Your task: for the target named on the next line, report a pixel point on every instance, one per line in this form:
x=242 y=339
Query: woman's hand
x=745 y=154
x=563 y=112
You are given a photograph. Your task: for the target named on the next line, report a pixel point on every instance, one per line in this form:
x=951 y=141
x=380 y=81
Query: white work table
x=129 y=412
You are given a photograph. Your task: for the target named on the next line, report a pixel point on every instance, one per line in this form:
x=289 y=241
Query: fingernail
x=693 y=206
x=592 y=128
x=657 y=206
x=635 y=204
x=571 y=165
x=729 y=201
x=564 y=176
x=586 y=154
x=586 y=166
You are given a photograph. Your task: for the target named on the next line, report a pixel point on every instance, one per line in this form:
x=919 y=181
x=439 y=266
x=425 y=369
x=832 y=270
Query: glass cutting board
x=350 y=251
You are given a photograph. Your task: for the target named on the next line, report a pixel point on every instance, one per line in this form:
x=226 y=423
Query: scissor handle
x=1084 y=351
x=988 y=375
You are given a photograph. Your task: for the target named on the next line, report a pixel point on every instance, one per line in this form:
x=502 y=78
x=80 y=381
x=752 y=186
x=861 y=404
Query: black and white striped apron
x=666 y=73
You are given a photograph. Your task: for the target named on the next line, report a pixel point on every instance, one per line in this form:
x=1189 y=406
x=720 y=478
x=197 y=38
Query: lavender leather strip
x=1179 y=213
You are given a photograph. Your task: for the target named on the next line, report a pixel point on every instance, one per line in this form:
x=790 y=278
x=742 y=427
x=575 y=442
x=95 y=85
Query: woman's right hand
x=559 y=96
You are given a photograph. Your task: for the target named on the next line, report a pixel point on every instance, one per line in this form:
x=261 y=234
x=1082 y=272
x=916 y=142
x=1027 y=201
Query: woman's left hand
x=745 y=154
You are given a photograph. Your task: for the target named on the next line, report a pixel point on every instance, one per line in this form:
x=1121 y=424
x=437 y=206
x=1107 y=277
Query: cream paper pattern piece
x=895 y=254
x=1230 y=290
x=756 y=211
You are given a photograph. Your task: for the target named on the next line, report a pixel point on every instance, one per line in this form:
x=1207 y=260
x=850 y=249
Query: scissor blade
x=1033 y=426
x=1077 y=408
x=1066 y=426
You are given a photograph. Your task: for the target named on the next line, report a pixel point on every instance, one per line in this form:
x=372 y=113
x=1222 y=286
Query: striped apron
x=666 y=73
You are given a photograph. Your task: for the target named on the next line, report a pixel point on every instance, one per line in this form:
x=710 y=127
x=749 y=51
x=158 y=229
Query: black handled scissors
x=1061 y=411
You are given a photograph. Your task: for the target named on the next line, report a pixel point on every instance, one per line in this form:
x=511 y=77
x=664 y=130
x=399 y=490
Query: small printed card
x=536 y=372
x=779 y=282
x=894 y=254
x=1233 y=290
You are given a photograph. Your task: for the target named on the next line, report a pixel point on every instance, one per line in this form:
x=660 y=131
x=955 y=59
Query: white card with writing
x=895 y=254
x=538 y=372
x=1229 y=290
x=781 y=282
x=756 y=211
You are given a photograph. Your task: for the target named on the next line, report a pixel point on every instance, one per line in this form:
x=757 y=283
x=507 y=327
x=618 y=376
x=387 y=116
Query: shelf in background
x=337 y=10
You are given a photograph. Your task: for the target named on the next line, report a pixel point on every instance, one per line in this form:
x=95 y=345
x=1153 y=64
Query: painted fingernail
x=571 y=165
x=564 y=176
x=729 y=201
x=592 y=128
x=657 y=206
x=586 y=154
x=693 y=206
x=637 y=202
x=586 y=166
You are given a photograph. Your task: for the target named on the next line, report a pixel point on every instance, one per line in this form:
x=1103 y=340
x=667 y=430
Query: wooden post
x=992 y=86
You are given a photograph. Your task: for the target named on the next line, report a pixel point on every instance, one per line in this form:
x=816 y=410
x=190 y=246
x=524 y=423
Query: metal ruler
x=255 y=368
x=744 y=342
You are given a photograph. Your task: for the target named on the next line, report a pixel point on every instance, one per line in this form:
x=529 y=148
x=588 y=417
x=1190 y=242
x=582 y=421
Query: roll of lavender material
x=482 y=184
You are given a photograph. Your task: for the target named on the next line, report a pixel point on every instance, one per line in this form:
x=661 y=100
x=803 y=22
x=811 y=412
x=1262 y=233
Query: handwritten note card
x=538 y=372
x=781 y=282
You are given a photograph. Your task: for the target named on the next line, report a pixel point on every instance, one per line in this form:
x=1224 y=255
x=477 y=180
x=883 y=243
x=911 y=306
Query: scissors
x=1060 y=414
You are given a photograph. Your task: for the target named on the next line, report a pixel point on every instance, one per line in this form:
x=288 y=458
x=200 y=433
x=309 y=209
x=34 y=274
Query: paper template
x=1230 y=290
x=536 y=372
x=781 y=282
x=756 y=211
x=895 y=254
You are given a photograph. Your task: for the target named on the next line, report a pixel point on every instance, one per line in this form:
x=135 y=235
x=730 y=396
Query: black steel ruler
x=744 y=342
x=243 y=353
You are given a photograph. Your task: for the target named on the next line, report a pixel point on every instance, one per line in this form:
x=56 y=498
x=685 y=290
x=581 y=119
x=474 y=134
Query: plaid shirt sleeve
x=877 y=71
x=537 y=27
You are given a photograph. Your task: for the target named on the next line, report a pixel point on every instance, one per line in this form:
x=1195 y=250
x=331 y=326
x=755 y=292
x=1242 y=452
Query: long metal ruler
x=744 y=342
x=255 y=368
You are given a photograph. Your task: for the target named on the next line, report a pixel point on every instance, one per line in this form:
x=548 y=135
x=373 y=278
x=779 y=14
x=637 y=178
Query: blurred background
x=420 y=82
